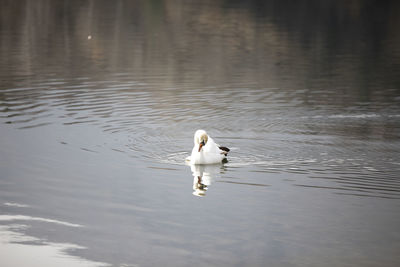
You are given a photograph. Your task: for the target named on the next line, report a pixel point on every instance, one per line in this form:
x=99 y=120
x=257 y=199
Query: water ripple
x=270 y=130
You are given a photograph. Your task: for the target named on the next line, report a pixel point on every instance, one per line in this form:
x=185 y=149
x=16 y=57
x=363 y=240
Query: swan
x=206 y=151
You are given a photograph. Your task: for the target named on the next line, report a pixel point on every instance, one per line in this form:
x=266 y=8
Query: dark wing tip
x=224 y=149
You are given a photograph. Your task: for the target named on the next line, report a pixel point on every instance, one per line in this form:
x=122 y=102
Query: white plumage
x=206 y=151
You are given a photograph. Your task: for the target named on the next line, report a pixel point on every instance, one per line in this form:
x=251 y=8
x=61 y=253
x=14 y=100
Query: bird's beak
x=201 y=145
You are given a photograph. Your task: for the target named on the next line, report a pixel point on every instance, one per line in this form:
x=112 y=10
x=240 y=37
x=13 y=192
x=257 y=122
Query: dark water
x=99 y=101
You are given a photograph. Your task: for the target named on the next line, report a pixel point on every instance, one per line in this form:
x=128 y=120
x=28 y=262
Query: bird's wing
x=224 y=148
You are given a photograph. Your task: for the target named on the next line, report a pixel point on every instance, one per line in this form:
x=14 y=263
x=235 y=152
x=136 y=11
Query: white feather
x=210 y=153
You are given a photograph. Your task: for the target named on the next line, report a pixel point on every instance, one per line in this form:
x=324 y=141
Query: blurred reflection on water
x=99 y=101
x=203 y=176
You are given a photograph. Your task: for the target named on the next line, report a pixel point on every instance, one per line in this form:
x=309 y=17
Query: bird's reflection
x=204 y=176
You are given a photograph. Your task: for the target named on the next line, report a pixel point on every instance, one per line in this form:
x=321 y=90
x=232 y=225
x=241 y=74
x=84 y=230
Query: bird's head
x=200 y=138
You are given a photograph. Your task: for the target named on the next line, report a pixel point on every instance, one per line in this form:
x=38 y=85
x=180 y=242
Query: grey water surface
x=99 y=101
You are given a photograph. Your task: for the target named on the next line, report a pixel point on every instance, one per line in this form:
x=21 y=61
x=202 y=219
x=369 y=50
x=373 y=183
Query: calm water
x=99 y=101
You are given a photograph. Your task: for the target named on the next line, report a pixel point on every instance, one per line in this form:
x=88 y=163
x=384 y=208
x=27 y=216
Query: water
x=99 y=101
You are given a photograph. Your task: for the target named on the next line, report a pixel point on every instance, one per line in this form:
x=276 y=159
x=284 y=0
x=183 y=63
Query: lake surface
x=99 y=101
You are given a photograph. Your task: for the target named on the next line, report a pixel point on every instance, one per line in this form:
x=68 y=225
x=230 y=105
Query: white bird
x=206 y=151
